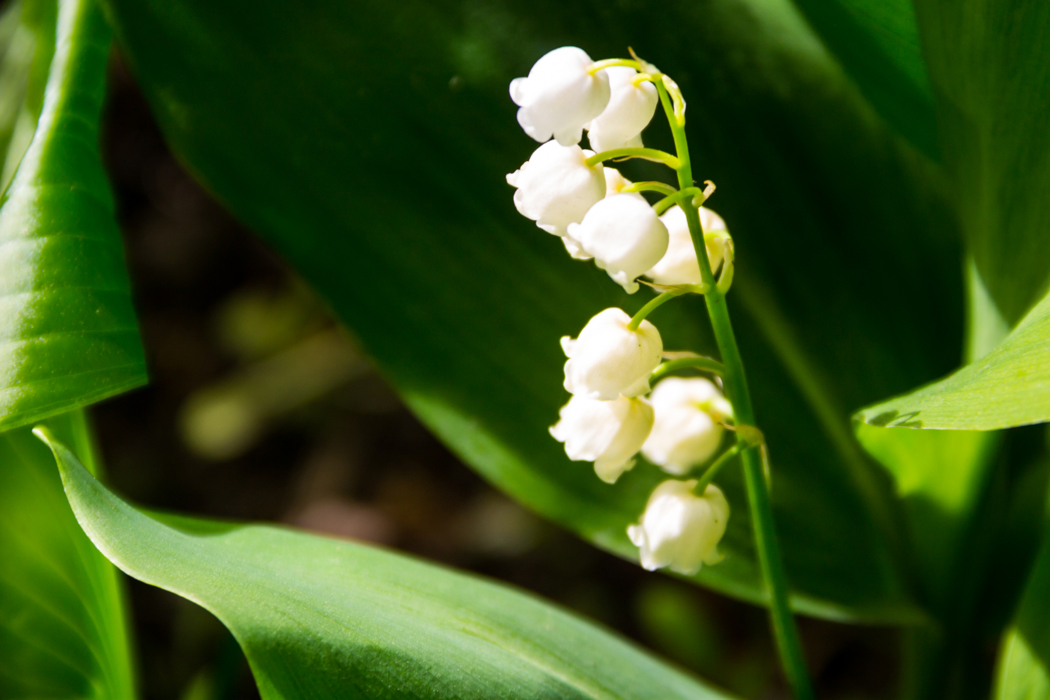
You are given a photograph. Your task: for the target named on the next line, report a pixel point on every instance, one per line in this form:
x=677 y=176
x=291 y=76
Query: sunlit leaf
x=1009 y=386
x=68 y=335
x=1024 y=656
x=62 y=628
x=322 y=618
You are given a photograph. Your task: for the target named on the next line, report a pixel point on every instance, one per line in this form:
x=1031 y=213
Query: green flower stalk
x=612 y=365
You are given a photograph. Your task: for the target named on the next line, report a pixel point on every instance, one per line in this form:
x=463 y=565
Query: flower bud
x=679 y=264
x=556 y=187
x=687 y=428
x=609 y=359
x=560 y=96
x=625 y=237
x=630 y=109
x=680 y=530
x=608 y=433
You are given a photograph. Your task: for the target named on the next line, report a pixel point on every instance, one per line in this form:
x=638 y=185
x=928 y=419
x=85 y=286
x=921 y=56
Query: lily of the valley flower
x=679 y=264
x=680 y=530
x=560 y=96
x=615 y=183
x=625 y=237
x=630 y=109
x=556 y=187
x=608 y=433
x=687 y=428
x=609 y=359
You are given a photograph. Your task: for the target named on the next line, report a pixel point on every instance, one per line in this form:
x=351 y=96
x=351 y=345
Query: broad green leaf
x=1024 y=655
x=62 y=627
x=369 y=143
x=989 y=64
x=1009 y=386
x=877 y=42
x=939 y=477
x=323 y=618
x=68 y=335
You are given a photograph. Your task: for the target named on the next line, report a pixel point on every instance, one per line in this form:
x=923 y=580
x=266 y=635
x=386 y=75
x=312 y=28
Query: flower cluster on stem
x=624 y=400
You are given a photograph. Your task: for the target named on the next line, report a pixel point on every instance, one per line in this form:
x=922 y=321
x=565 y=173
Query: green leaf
x=1024 y=655
x=939 y=477
x=62 y=627
x=323 y=618
x=989 y=64
x=69 y=335
x=877 y=42
x=369 y=143
x=1009 y=386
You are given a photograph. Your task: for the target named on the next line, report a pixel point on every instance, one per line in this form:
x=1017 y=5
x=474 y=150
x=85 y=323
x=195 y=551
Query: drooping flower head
x=679 y=529
x=560 y=95
x=556 y=187
x=609 y=359
x=624 y=236
x=679 y=264
x=615 y=183
x=630 y=109
x=687 y=429
x=608 y=433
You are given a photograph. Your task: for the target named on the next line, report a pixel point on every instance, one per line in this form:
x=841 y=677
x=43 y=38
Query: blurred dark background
x=260 y=408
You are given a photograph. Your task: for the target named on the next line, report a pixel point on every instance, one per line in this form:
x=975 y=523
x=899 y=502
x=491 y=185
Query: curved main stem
x=772 y=565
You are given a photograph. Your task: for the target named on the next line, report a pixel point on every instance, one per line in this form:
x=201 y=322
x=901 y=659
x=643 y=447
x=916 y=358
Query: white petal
x=608 y=359
x=556 y=187
x=625 y=237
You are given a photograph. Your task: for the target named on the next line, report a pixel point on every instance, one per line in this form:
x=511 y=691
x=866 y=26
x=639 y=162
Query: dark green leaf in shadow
x=322 y=618
x=877 y=42
x=369 y=143
x=62 y=627
x=989 y=64
x=68 y=335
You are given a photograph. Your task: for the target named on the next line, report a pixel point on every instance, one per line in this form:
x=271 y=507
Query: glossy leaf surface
x=323 y=618
x=370 y=143
x=68 y=335
x=62 y=627
x=989 y=64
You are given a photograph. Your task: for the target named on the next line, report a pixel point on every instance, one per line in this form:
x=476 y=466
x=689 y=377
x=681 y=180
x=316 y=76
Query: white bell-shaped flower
x=630 y=109
x=679 y=264
x=560 y=96
x=615 y=183
x=556 y=187
x=625 y=237
x=680 y=530
x=688 y=427
x=608 y=433
x=609 y=359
